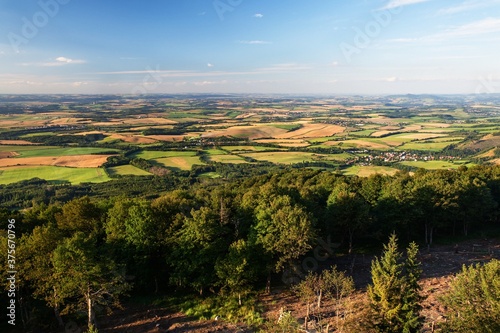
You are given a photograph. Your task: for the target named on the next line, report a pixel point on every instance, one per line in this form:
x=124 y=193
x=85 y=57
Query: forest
x=226 y=242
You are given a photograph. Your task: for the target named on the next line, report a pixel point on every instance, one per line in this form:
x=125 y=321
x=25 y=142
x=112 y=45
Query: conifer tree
x=412 y=291
x=385 y=292
x=395 y=293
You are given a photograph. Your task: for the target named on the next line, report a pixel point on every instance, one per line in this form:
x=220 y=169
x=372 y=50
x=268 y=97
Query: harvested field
x=378 y=134
x=133 y=138
x=250 y=132
x=169 y=138
x=146 y=121
x=124 y=170
x=285 y=143
x=312 y=131
x=420 y=136
x=15 y=142
x=76 y=161
x=8 y=154
x=182 y=163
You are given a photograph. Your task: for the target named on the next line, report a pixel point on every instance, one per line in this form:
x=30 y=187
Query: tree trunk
x=430 y=236
x=58 y=316
x=319 y=298
x=426 y=233
x=56 y=310
x=307 y=317
x=268 y=283
x=239 y=299
x=351 y=233
x=90 y=309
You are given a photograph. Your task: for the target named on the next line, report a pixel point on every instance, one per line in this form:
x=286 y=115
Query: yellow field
x=312 y=131
x=16 y=142
x=250 y=132
x=132 y=138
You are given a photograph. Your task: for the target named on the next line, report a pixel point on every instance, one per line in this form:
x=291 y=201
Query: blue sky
x=250 y=46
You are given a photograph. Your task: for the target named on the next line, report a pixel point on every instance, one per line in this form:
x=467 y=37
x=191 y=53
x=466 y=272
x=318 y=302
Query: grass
x=319 y=140
x=224 y=307
x=46 y=151
x=227 y=159
x=153 y=154
x=426 y=146
x=366 y=171
x=282 y=157
x=211 y=175
x=437 y=165
x=214 y=152
x=288 y=127
x=179 y=162
x=247 y=148
x=52 y=173
x=125 y=170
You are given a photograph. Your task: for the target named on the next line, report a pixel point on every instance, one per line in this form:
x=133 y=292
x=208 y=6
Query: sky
x=250 y=46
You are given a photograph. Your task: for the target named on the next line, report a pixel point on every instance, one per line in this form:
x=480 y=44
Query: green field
x=179 y=162
x=124 y=170
x=214 y=152
x=366 y=171
x=52 y=173
x=45 y=151
x=249 y=148
x=227 y=159
x=282 y=157
x=426 y=146
x=153 y=154
x=437 y=165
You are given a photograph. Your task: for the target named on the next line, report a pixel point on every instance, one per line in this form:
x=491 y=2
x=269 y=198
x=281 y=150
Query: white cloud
x=210 y=65
x=258 y=15
x=69 y=61
x=254 y=42
x=467 y=6
x=481 y=27
x=79 y=84
x=485 y=26
x=59 y=61
x=334 y=63
x=288 y=67
x=401 y=3
x=209 y=83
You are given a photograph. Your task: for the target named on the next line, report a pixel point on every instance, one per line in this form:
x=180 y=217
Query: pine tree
x=412 y=292
x=385 y=292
